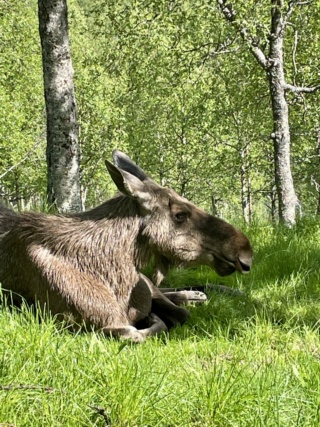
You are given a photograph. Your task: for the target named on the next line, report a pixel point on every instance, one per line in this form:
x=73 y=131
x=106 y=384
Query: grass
x=239 y=361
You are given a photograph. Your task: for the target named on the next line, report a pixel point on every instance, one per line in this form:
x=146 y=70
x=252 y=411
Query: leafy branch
x=230 y=15
x=26 y=157
x=279 y=25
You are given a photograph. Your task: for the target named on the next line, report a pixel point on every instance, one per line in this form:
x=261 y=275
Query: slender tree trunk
x=274 y=68
x=281 y=134
x=273 y=200
x=246 y=198
x=215 y=210
x=63 y=153
x=318 y=183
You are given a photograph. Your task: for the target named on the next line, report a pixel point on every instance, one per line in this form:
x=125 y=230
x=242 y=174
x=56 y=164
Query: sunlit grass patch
x=245 y=361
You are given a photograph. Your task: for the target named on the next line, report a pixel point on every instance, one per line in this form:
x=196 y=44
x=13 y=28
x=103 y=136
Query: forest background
x=176 y=87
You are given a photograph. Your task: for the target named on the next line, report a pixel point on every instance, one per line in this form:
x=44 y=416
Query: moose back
x=86 y=266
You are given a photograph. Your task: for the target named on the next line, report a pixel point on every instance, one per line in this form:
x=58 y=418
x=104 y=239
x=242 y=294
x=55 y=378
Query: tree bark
x=281 y=134
x=63 y=152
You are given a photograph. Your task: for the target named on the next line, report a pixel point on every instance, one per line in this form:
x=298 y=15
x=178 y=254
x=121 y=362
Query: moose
x=86 y=267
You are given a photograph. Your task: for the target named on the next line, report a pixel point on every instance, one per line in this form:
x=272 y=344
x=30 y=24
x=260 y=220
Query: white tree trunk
x=63 y=152
x=246 y=197
x=318 y=181
x=281 y=132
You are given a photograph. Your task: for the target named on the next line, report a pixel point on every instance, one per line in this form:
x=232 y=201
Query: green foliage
x=185 y=97
x=173 y=85
x=22 y=145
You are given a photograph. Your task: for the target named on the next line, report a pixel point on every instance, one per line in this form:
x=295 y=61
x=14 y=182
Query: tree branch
x=315 y=183
x=230 y=15
x=294 y=50
x=291 y=6
x=27 y=156
x=285 y=21
x=301 y=89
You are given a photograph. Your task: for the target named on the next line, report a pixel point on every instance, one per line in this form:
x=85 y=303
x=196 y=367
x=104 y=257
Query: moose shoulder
x=87 y=266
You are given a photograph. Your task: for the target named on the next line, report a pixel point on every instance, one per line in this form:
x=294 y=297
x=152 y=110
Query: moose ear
x=124 y=162
x=131 y=186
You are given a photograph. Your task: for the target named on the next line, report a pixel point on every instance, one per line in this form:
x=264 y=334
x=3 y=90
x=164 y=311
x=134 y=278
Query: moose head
x=177 y=229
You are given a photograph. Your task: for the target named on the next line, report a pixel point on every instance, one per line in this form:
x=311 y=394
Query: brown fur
x=87 y=266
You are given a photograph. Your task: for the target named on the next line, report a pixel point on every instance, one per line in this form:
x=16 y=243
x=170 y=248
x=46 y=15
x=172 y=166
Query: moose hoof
x=186 y=297
x=137 y=338
x=156 y=324
x=125 y=333
x=155 y=327
x=196 y=297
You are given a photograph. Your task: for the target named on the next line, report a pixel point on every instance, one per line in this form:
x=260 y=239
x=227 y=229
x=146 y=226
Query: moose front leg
x=179 y=296
x=185 y=296
x=155 y=327
x=197 y=294
x=84 y=299
x=163 y=307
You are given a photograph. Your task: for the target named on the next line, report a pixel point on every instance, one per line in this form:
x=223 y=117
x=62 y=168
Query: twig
x=230 y=15
x=315 y=183
x=20 y=162
x=102 y=412
x=290 y=9
x=294 y=50
x=26 y=387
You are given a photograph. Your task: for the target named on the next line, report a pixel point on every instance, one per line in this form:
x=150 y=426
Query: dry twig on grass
x=11 y=387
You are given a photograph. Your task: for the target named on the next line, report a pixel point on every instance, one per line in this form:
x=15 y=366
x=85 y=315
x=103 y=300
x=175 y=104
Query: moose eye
x=180 y=217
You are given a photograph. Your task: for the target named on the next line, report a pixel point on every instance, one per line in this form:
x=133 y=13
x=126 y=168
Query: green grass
x=239 y=361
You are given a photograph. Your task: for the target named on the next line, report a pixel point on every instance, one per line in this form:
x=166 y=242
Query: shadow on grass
x=230 y=316
x=282 y=289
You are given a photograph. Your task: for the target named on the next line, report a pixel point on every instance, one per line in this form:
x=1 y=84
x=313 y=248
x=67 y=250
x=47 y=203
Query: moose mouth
x=245 y=267
x=225 y=266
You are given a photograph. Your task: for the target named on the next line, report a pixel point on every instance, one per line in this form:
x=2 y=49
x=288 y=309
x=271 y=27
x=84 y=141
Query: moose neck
x=119 y=206
x=117 y=225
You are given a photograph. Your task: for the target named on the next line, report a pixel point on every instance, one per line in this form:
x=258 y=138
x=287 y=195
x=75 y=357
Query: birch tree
x=269 y=55
x=63 y=154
